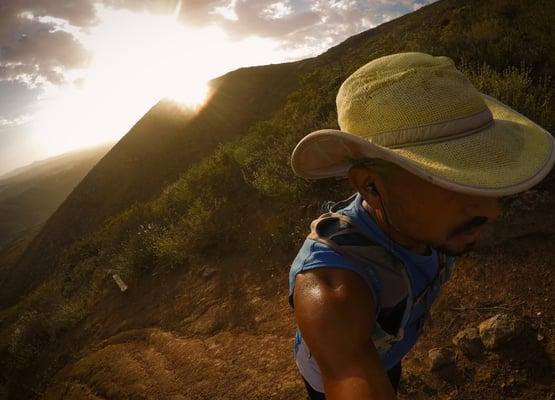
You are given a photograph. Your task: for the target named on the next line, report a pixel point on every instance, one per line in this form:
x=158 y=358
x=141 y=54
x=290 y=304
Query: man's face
x=429 y=214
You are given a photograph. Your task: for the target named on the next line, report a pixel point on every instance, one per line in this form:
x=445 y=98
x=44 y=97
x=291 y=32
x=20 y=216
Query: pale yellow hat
x=421 y=113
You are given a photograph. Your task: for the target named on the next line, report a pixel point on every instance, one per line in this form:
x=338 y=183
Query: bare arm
x=334 y=310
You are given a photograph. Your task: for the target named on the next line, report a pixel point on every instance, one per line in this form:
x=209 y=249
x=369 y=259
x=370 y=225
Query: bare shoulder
x=339 y=283
x=334 y=310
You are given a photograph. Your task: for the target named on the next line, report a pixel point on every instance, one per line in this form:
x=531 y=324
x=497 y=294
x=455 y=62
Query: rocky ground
x=500 y=340
x=244 y=351
x=226 y=332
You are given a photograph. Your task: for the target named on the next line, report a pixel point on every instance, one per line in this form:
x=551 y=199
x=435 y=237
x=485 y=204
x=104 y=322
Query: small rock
x=498 y=330
x=121 y=284
x=441 y=357
x=539 y=337
x=469 y=342
x=207 y=272
x=482 y=375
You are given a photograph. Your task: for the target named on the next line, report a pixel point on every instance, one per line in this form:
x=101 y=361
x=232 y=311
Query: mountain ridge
x=205 y=253
x=30 y=194
x=116 y=171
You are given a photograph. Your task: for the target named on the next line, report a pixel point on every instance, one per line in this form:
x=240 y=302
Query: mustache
x=469 y=225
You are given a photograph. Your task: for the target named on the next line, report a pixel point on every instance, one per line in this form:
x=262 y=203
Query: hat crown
x=409 y=98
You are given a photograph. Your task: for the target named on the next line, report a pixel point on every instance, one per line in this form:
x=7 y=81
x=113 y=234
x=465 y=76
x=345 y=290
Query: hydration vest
x=397 y=307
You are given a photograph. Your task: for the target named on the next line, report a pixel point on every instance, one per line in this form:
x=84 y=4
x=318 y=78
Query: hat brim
x=509 y=156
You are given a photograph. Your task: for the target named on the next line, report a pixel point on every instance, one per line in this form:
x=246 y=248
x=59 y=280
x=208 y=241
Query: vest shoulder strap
x=340 y=233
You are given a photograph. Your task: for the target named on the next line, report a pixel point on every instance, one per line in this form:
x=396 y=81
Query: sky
x=77 y=73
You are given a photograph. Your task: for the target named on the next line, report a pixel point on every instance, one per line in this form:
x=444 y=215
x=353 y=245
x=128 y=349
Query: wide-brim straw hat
x=421 y=113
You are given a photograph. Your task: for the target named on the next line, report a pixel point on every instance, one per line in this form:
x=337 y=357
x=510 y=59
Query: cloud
x=47 y=49
x=35 y=47
x=268 y=19
x=418 y=5
x=192 y=12
x=310 y=27
x=13 y=13
x=8 y=123
x=277 y=10
x=313 y=25
x=16 y=71
x=227 y=11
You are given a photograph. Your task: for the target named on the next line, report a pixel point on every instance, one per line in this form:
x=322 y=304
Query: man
x=430 y=158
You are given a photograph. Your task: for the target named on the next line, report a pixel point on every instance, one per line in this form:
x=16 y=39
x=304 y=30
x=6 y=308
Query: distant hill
x=158 y=148
x=30 y=194
x=200 y=214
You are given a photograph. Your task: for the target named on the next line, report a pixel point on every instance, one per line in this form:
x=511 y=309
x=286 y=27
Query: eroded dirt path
x=208 y=341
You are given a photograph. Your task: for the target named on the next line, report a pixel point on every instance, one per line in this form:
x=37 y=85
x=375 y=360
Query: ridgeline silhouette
x=200 y=214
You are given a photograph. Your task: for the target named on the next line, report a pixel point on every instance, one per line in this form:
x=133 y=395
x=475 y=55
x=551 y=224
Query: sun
x=192 y=95
x=150 y=56
x=137 y=59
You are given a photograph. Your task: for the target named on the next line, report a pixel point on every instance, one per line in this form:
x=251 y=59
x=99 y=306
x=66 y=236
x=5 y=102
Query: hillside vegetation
x=164 y=143
x=176 y=200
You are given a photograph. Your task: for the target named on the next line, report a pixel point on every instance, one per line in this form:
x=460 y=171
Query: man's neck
x=394 y=234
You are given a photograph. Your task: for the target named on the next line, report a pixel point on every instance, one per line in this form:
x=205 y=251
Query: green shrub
x=26 y=338
x=516 y=87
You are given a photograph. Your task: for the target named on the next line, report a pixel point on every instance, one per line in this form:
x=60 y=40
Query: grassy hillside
x=160 y=146
x=181 y=197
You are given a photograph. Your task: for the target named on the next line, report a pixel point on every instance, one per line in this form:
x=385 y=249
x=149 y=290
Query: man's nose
x=489 y=207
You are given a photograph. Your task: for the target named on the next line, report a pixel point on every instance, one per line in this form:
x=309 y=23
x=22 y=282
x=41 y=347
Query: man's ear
x=364 y=180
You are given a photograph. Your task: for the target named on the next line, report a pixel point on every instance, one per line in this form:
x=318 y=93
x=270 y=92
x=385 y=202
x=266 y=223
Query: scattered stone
x=539 y=337
x=122 y=286
x=469 y=342
x=498 y=330
x=483 y=375
x=441 y=357
x=208 y=272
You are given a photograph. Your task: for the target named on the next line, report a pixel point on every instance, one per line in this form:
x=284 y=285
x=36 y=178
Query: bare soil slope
x=226 y=332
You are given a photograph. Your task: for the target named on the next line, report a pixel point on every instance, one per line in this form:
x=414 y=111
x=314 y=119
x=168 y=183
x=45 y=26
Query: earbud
x=371 y=187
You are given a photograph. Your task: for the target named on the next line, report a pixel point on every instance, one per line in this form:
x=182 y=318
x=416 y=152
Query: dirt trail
x=225 y=331
x=215 y=355
x=206 y=340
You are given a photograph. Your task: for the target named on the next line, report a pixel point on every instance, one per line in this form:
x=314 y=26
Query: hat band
x=434 y=132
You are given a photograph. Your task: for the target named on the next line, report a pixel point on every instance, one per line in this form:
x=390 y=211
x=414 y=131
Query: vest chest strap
x=330 y=227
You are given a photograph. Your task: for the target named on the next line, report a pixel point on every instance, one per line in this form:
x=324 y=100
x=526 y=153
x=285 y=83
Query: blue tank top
x=421 y=270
